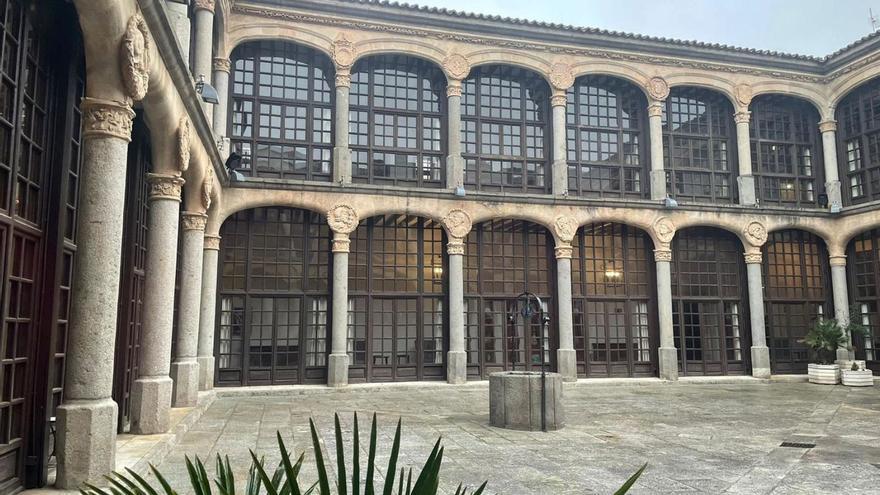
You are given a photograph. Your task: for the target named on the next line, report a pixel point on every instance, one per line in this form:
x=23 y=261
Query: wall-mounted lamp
x=232 y=163
x=209 y=94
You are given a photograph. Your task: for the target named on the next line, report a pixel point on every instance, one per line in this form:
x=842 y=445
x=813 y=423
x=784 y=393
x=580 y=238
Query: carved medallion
x=743 y=94
x=106 y=118
x=183 y=143
x=135 y=57
x=457 y=223
x=565 y=228
x=658 y=89
x=343 y=51
x=456 y=66
x=342 y=219
x=664 y=229
x=755 y=233
x=561 y=76
x=207 y=187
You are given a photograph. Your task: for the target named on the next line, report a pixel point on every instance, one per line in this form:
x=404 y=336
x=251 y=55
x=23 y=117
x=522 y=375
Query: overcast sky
x=807 y=27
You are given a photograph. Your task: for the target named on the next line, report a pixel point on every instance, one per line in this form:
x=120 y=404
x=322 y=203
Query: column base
x=566 y=364
x=337 y=370
x=845 y=354
x=185 y=375
x=658 y=184
x=151 y=405
x=206 y=372
x=760 y=362
x=668 y=362
x=86 y=435
x=746 y=186
x=456 y=367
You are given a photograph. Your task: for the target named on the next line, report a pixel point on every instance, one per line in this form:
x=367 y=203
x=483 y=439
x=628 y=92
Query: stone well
x=515 y=400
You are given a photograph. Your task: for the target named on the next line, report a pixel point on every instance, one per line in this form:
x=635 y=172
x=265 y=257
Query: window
x=397 y=127
x=858 y=115
x=505 y=130
x=281 y=113
x=864 y=260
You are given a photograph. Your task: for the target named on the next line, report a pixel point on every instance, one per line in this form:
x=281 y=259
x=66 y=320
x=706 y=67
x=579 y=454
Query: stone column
x=667 y=353
x=828 y=128
x=454 y=161
x=658 y=172
x=337 y=371
x=841 y=299
x=178 y=17
x=86 y=421
x=185 y=367
x=221 y=84
x=341 y=150
x=151 y=393
x=565 y=355
x=560 y=158
x=745 y=181
x=204 y=44
x=760 y=351
x=207 y=312
x=456 y=366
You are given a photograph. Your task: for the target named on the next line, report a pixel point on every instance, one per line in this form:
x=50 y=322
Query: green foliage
x=285 y=478
x=824 y=338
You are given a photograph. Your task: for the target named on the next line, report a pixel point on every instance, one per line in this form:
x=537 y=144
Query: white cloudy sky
x=808 y=27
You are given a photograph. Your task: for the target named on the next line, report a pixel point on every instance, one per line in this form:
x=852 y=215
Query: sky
x=805 y=27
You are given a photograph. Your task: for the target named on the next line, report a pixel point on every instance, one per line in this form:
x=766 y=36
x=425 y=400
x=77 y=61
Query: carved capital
x=561 y=76
x=456 y=66
x=222 y=64
x=103 y=118
x=343 y=52
x=743 y=94
x=457 y=223
x=165 y=186
x=193 y=221
x=343 y=78
x=658 y=88
x=558 y=99
x=755 y=233
x=341 y=242
x=742 y=117
x=663 y=255
x=342 y=219
x=134 y=55
x=204 y=5
x=664 y=229
x=828 y=126
x=455 y=246
x=837 y=260
x=753 y=258
x=212 y=242
x=207 y=187
x=563 y=251
x=655 y=109
x=565 y=228
x=184 y=132
x=453 y=88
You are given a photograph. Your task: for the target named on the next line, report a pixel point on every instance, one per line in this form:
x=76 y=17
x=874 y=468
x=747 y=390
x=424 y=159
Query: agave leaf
x=430 y=465
x=459 y=492
x=143 y=483
x=203 y=477
x=267 y=482
x=323 y=480
x=392 y=462
x=225 y=480
x=371 y=459
x=289 y=472
x=481 y=489
x=341 y=480
x=132 y=486
x=119 y=486
x=92 y=489
x=355 y=459
x=162 y=481
x=400 y=484
x=311 y=489
x=254 y=481
x=409 y=482
x=631 y=481
x=294 y=486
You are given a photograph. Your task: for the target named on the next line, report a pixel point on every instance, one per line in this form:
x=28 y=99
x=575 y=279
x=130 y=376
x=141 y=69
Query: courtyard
x=710 y=437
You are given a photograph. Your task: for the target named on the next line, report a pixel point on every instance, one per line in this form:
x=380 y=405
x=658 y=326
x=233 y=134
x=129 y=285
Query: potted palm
x=857 y=375
x=824 y=339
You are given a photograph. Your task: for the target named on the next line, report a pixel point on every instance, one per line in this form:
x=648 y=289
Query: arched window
x=864 y=275
x=795 y=276
x=699 y=146
x=708 y=313
x=786 y=153
x=396 y=303
x=858 y=150
x=613 y=292
x=607 y=148
x=282 y=111
x=503 y=259
x=273 y=311
x=398 y=124
x=505 y=130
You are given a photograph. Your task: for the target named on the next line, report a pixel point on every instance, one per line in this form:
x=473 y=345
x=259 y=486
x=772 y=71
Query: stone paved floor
x=718 y=438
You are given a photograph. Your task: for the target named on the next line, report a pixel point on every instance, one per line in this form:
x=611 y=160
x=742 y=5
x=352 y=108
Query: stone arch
x=628 y=73
x=846 y=83
x=794 y=90
x=259 y=31
x=530 y=62
x=418 y=48
x=711 y=82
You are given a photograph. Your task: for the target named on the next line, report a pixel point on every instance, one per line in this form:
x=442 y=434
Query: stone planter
x=846 y=364
x=860 y=378
x=823 y=374
x=515 y=400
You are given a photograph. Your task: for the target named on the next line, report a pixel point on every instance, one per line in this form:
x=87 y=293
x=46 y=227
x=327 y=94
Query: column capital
x=204 y=5
x=742 y=117
x=558 y=98
x=212 y=242
x=837 y=260
x=455 y=246
x=563 y=251
x=106 y=118
x=655 y=109
x=453 y=88
x=343 y=77
x=753 y=258
x=829 y=125
x=163 y=186
x=341 y=242
x=221 y=64
x=193 y=221
x=663 y=255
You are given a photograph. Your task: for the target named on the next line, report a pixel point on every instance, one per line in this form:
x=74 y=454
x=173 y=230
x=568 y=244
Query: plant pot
x=823 y=374
x=846 y=364
x=861 y=378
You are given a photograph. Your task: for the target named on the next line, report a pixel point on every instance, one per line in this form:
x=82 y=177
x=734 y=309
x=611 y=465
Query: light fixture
x=459 y=191
x=209 y=94
x=670 y=202
x=823 y=200
x=232 y=163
